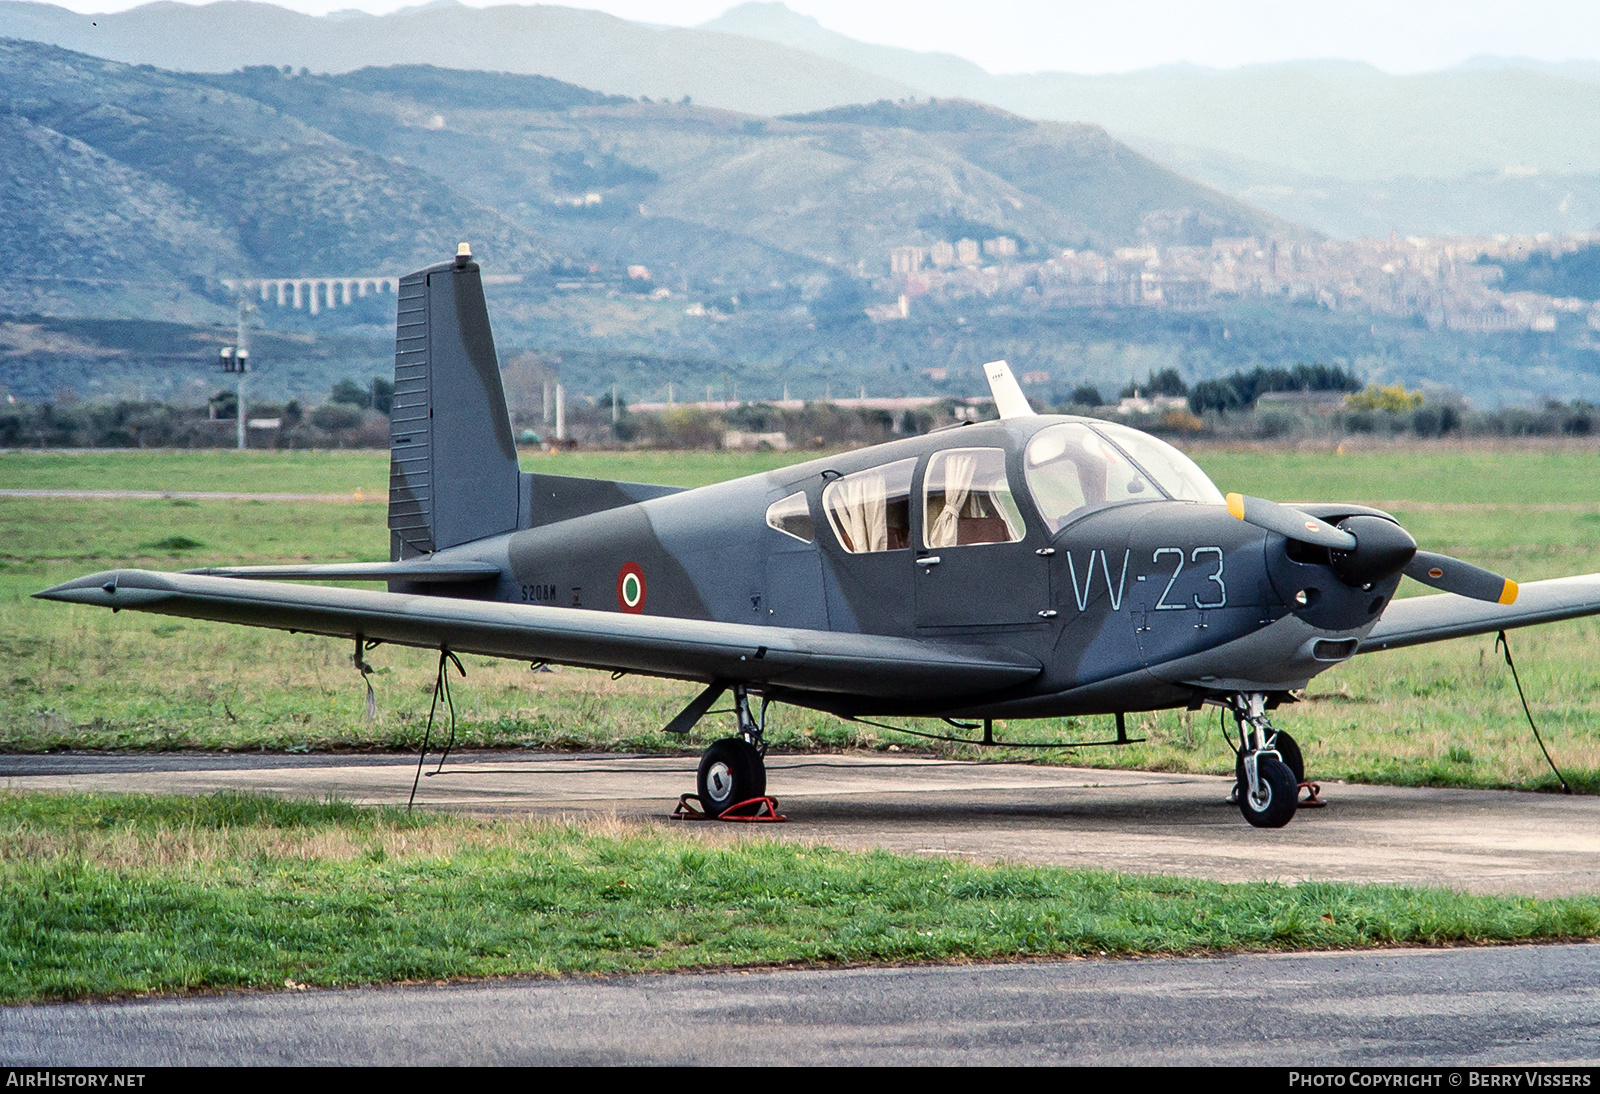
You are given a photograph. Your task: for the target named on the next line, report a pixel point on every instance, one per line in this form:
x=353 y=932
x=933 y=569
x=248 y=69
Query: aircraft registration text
x=1163 y=557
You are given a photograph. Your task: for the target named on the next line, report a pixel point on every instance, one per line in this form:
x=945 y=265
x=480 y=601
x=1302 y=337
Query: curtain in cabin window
x=871 y=510
x=957 y=468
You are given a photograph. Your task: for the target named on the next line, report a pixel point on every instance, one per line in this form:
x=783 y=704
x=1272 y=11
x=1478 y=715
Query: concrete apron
x=1479 y=841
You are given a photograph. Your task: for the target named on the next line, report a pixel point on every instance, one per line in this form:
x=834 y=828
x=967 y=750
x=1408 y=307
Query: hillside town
x=1453 y=283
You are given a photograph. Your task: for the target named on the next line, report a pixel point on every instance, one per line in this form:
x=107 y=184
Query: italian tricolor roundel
x=630 y=587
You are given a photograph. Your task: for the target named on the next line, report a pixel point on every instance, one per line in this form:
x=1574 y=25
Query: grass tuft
x=173 y=543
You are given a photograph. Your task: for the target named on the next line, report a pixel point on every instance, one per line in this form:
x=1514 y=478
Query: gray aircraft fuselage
x=1136 y=605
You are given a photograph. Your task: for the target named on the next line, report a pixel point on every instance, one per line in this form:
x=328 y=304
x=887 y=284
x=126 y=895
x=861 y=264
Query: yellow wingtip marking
x=1508 y=595
x=1236 y=505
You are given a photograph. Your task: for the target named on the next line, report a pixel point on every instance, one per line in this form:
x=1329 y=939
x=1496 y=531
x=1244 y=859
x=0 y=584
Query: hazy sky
x=1097 y=36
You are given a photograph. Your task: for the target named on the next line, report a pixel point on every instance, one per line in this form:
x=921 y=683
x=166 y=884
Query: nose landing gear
x=1270 y=767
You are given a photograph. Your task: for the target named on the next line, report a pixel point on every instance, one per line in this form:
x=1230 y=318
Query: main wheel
x=1280 y=794
x=731 y=771
x=1289 y=749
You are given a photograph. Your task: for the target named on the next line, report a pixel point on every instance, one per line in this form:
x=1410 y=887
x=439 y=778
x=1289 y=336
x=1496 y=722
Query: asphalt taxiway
x=1505 y=1005
x=1139 y=822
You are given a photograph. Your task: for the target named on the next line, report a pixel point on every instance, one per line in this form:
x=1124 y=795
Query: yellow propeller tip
x=1508 y=595
x=1236 y=505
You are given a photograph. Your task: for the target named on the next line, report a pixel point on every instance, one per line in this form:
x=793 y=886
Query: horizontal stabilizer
x=420 y=571
x=686 y=649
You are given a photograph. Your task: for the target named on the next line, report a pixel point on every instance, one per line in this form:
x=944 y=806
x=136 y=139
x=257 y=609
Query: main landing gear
x=733 y=769
x=1269 y=769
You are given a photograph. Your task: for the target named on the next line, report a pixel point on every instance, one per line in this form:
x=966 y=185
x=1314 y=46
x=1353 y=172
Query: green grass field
x=343 y=472
x=81 y=678
x=121 y=895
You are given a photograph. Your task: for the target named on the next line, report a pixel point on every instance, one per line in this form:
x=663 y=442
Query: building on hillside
x=943 y=254
x=967 y=252
x=900 y=309
x=1000 y=247
x=905 y=260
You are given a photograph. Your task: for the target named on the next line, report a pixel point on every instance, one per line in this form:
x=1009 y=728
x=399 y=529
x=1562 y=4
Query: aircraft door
x=977 y=562
x=866 y=564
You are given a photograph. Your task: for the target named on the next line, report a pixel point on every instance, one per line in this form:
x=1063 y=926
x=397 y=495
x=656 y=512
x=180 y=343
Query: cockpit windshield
x=1174 y=472
x=1072 y=468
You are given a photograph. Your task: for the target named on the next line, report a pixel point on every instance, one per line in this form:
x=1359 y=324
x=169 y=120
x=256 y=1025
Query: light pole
x=236 y=359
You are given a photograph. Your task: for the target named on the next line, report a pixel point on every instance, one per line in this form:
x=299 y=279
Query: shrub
x=334 y=416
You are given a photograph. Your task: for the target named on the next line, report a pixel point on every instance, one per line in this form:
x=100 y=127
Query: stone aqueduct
x=314 y=293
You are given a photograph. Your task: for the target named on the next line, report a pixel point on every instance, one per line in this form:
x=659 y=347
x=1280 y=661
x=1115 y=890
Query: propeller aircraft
x=1033 y=566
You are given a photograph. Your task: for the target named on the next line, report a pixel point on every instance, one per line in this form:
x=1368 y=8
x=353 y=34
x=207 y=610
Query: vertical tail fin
x=453 y=474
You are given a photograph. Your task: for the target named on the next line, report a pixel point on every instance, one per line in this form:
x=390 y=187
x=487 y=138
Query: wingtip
x=111 y=589
x=1508 y=595
x=90 y=589
x=1236 y=505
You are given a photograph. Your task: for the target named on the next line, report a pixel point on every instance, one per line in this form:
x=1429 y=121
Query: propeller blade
x=1462 y=578
x=1289 y=522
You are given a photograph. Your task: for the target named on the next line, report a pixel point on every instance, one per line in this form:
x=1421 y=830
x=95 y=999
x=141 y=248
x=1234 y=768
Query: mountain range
x=618 y=231
x=1493 y=145
x=639 y=230
x=1496 y=145
x=145 y=177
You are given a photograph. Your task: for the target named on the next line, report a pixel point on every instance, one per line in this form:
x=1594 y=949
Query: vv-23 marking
x=1082 y=593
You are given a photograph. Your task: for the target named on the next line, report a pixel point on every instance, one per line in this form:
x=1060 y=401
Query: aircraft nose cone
x=1382 y=550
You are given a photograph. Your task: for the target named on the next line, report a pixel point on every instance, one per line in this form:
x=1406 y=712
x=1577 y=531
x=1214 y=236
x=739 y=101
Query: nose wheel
x=1288 y=750
x=1270 y=767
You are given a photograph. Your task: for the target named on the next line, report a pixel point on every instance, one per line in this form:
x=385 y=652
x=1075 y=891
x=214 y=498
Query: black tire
x=1289 y=749
x=1281 y=792
x=731 y=771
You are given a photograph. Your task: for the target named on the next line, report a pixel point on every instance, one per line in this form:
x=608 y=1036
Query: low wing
x=1420 y=619
x=420 y=571
x=689 y=649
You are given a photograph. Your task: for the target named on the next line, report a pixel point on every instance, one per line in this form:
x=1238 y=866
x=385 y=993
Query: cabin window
x=792 y=517
x=871 y=510
x=967 y=499
x=1072 y=469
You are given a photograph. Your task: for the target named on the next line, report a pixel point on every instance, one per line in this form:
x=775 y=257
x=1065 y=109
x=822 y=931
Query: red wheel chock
x=761 y=810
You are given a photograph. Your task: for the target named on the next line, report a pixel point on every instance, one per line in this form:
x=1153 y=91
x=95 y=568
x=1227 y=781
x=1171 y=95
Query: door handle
x=930 y=560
